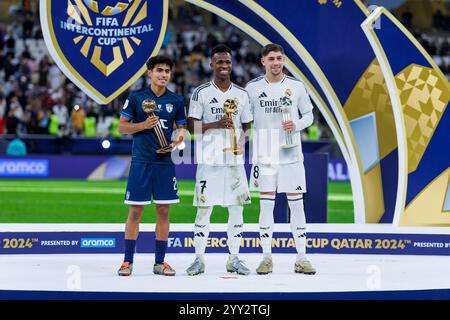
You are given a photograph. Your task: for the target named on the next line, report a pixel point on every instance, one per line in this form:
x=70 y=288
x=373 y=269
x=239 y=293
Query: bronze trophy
x=230 y=106
x=286 y=105
x=149 y=107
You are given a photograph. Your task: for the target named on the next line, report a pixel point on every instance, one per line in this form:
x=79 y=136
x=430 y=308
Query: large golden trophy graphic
x=230 y=106
x=149 y=107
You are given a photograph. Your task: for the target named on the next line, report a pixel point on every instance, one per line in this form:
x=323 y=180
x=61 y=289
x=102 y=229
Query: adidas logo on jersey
x=263 y=95
x=299 y=188
x=214 y=100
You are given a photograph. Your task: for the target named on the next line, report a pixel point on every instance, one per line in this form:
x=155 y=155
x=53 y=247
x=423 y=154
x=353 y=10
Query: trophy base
x=288 y=146
x=164 y=150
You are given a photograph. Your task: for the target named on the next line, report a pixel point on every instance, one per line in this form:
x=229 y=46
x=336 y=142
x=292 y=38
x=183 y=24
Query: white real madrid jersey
x=266 y=105
x=207 y=105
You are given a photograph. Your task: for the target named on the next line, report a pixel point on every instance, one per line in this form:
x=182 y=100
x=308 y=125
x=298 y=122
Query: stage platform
x=93 y=276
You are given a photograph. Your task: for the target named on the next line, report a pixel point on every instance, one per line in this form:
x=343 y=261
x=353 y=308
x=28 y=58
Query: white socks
x=235 y=228
x=201 y=230
x=266 y=226
x=298 y=223
x=266 y=222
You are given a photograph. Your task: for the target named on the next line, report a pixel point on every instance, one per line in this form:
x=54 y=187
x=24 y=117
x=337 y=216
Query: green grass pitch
x=81 y=201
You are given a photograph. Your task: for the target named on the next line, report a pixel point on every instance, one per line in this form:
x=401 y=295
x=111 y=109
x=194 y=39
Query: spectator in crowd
x=43 y=118
x=2 y=114
x=10 y=42
x=90 y=123
x=15 y=117
x=60 y=110
x=77 y=120
x=407 y=18
x=27 y=26
x=44 y=66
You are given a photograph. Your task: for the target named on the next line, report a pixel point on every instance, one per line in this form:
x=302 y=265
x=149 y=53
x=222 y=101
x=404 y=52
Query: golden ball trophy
x=149 y=107
x=230 y=106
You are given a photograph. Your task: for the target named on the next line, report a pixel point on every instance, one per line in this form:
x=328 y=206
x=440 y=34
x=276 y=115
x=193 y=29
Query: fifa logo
x=103 y=45
x=101 y=26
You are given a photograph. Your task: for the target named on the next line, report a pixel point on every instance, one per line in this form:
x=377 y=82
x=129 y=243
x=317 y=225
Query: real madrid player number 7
x=219 y=112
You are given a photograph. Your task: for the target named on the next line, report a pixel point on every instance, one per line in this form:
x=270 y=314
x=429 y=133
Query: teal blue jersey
x=170 y=110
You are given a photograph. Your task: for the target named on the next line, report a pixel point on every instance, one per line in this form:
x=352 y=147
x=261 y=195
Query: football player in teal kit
x=151 y=174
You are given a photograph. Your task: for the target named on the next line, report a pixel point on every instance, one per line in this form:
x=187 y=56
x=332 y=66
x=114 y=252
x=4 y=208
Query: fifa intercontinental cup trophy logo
x=286 y=105
x=149 y=107
x=230 y=106
x=107 y=25
x=102 y=46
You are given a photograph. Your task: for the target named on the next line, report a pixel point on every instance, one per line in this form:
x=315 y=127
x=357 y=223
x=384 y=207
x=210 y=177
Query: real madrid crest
x=286 y=100
x=288 y=92
x=103 y=45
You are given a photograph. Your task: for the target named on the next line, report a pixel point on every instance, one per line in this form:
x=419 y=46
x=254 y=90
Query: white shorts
x=289 y=178
x=221 y=185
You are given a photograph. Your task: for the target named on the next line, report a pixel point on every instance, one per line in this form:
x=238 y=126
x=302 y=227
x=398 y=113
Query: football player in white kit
x=277 y=152
x=220 y=177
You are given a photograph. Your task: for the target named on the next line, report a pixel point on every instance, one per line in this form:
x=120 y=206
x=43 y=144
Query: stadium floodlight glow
x=106 y=144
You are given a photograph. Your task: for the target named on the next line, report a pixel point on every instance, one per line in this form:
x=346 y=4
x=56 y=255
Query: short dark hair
x=271 y=47
x=153 y=61
x=220 y=48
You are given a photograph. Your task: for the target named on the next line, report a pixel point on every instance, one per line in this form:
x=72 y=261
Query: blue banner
x=183 y=242
x=24 y=168
x=338 y=171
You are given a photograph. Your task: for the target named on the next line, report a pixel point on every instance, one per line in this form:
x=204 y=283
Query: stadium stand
x=36 y=98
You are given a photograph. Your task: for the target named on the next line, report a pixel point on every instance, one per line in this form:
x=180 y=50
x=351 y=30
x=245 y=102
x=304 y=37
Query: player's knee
x=199 y=219
x=162 y=211
x=135 y=213
x=203 y=213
